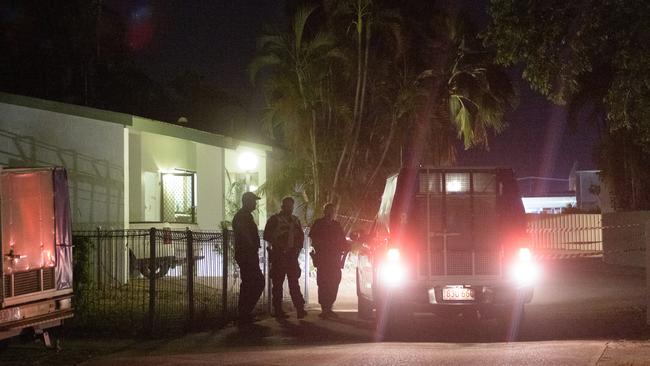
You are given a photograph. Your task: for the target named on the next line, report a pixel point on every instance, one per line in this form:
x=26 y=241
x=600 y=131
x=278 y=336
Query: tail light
x=392 y=270
x=524 y=270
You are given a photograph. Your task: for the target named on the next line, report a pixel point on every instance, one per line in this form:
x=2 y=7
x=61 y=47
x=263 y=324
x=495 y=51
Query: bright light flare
x=392 y=274
x=525 y=255
x=392 y=271
x=454 y=186
x=393 y=255
x=525 y=271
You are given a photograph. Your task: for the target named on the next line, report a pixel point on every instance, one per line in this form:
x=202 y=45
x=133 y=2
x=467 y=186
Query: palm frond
x=261 y=62
x=299 y=22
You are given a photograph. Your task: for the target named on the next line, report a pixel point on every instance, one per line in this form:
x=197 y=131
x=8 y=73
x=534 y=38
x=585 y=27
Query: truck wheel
x=364 y=306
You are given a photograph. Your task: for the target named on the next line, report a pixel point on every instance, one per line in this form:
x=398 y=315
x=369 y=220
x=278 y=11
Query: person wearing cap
x=247 y=244
x=284 y=233
x=330 y=249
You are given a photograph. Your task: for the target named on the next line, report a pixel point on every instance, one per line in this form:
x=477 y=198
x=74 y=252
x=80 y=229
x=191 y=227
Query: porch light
x=248 y=161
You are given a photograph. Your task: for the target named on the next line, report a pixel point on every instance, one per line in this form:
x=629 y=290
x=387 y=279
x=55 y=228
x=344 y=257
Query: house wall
x=151 y=154
x=91 y=150
x=588 y=200
x=210 y=185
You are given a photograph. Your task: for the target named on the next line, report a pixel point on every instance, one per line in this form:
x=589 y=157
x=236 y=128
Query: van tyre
x=364 y=306
x=510 y=321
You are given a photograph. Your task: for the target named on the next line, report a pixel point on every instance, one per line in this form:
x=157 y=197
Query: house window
x=178 y=204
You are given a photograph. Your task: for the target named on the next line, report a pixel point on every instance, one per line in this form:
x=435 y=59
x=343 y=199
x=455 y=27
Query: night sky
x=214 y=38
x=217 y=40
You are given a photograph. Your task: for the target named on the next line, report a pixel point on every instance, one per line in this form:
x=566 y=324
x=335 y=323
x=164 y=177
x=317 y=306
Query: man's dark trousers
x=252 y=284
x=283 y=265
x=328 y=278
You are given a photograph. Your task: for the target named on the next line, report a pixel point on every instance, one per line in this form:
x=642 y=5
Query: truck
x=36 y=251
x=448 y=241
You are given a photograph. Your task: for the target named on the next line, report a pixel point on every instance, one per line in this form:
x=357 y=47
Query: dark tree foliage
x=593 y=56
x=356 y=88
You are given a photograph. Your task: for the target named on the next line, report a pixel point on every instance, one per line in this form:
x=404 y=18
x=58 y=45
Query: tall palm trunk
x=350 y=145
x=362 y=99
x=312 y=135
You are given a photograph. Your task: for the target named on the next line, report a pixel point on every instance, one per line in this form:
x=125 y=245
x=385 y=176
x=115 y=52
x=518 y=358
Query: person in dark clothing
x=284 y=233
x=330 y=246
x=247 y=244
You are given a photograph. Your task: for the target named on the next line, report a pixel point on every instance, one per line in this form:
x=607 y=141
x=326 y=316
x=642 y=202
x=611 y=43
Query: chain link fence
x=156 y=281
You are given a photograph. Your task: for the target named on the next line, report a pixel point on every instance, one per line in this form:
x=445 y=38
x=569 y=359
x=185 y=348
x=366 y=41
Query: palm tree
x=298 y=64
x=370 y=25
x=475 y=93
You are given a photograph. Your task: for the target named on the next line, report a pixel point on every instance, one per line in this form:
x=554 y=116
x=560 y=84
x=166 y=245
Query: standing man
x=330 y=245
x=284 y=233
x=247 y=244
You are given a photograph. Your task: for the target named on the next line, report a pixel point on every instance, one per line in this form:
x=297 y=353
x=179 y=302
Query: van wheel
x=364 y=306
x=510 y=321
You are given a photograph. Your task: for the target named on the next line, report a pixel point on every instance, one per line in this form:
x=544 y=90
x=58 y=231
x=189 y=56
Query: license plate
x=457 y=293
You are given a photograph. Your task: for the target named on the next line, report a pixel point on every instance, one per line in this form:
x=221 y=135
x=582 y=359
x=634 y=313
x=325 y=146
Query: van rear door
x=456 y=225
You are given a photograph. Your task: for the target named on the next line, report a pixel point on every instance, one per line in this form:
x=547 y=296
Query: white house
x=131 y=172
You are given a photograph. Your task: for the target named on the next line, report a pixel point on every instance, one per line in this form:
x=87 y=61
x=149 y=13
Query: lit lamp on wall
x=248 y=163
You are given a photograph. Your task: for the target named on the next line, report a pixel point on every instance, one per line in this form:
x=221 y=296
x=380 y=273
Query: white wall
x=91 y=150
x=151 y=154
x=210 y=184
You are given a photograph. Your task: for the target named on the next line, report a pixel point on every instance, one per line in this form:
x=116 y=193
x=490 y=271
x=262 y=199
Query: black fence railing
x=156 y=281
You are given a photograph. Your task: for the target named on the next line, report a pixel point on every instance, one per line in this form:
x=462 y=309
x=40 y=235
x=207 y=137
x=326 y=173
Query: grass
x=123 y=309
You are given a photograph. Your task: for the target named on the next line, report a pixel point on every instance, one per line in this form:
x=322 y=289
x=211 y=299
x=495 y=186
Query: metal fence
x=157 y=281
x=619 y=237
x=573 y=232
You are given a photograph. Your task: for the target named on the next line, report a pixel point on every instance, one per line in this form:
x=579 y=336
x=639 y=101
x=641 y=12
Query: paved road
x=581 y=311
x=377 y=354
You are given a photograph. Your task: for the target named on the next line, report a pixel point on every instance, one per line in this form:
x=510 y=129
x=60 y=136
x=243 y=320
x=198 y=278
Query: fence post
x=224 y=278
x=267 y=280
x=152 y=279
x=306 y=249
x=98 y=266
x=190 y=276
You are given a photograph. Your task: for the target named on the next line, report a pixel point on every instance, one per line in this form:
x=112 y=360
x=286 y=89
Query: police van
x=450 y=241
